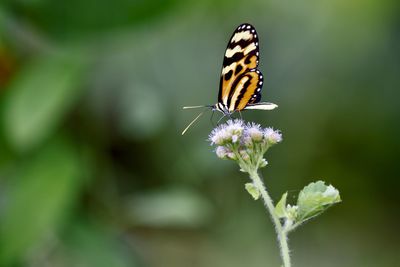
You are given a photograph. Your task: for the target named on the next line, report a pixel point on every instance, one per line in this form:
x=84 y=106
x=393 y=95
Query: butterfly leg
x=240 y=114
x=211 y=119
x=223 y=116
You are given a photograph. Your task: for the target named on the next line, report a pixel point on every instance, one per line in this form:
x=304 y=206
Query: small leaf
x=253 y=190
x=280 y=209
x=315 y=198
x=39 y=98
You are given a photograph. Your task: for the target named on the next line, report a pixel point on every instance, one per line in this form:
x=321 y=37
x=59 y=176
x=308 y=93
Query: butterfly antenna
x=202 y=106
x=211 y=118
x=195 y=119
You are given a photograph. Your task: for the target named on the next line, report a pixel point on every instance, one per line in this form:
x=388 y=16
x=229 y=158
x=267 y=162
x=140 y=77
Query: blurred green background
x=94 y=171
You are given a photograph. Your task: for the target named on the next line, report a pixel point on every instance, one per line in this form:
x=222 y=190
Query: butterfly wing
x=249 y=95
x=246 y=89
x=262 y=106
x=241 y=55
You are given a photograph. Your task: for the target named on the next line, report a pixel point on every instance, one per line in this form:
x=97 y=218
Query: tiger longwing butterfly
x=241 y=82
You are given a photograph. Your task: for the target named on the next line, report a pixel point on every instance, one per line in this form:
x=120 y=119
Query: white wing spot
x=257 y=53
x=248 y=27
x=255 y=35
x=256 y=43
x=261 y=82
x=258 y=89
x=261 y=76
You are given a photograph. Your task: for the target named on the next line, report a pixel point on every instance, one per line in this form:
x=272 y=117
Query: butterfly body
x=241 y=82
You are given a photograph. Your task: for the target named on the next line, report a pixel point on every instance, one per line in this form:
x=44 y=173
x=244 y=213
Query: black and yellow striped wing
x=241 y=81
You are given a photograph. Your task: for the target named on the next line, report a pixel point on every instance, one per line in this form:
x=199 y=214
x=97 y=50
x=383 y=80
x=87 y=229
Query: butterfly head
x=221 y=108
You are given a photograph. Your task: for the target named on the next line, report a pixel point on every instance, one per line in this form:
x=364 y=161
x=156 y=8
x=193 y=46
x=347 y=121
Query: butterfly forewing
x=241 y=56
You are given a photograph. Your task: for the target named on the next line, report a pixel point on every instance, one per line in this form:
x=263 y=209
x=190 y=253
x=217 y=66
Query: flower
x=228 y=132
x=272 y=136
x=235 y=138
x=219 y=136
x=254 y=132
x=245 y=143
x=234 y=127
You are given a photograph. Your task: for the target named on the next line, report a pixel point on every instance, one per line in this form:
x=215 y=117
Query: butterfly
x=241 y=82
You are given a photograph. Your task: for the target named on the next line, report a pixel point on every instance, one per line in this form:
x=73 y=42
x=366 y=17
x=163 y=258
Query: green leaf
x=253 y=190
x=39 y=98
x=38 y=200
x=316 y=198
x=280 y=209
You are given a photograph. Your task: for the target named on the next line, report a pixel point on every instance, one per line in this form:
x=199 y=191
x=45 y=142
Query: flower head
x=234 y=126
x=219 y=136
x=245 y=143
x=254 y=132
x=272 y=136
x=228 y=132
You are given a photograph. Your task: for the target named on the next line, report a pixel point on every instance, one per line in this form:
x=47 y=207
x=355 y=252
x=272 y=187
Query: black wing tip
x=244 y=26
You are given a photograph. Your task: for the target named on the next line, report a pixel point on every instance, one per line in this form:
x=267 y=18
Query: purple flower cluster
x=243 y=142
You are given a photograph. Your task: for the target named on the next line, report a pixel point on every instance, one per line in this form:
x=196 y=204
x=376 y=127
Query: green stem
x=282 y=234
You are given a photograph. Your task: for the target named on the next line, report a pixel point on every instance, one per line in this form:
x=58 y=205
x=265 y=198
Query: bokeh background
x=94 y=171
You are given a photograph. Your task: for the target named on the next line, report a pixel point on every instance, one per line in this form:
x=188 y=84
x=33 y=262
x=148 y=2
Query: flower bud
x=232 y=156
x=221 y=152
x=245 y=156
x=263 y=163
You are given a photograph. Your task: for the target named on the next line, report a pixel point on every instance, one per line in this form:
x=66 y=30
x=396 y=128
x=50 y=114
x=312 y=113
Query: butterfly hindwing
x=262 y=106
x=241 y=56
x=245 y=89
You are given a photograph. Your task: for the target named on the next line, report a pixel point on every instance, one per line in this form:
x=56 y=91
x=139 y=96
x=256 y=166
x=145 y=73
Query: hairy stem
x=282 y=234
